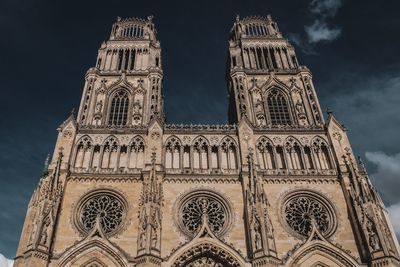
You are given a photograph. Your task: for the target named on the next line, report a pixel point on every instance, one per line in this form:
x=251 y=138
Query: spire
x=361 y=165
x=45 y=170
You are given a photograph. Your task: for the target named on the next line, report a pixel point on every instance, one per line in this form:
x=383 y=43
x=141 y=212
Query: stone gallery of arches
x=277 y=186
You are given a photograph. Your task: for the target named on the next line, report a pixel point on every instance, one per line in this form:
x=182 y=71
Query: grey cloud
x=387 y=180
x=325 y=8
x=369 y=106
x=394 y=214
x=387 y=175
x=320 y=31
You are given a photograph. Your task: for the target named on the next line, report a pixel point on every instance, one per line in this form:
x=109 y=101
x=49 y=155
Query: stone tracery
x=196 y=205
x=300 y=209
x=107 y=206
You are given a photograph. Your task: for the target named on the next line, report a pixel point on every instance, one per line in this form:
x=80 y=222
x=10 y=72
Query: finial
x=46 y=166
x=269 y=17
x=237 y=18
x=118 y=19
x=328 y=111
x=150 y=18
x=73 y=112
x=361 y=165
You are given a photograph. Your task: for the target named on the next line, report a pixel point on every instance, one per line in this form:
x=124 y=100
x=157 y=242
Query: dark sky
x=351 y=47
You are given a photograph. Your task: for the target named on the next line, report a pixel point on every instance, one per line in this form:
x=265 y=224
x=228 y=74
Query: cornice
x=299 y=70
x=128 y=73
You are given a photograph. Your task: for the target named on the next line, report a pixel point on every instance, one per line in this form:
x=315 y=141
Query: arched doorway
x=206 y=255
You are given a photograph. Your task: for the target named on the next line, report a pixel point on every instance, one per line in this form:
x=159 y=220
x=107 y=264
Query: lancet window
x=228 y=154
x=173 y=153
x=186 y=156
x=294 y=154
x=110 y=152
x=111 y=155
x=265 y=154
x=84 y=150
x=118 y=115
x=308 y=159
x=322 y=159
x=267 y=57
x=200 y=154
x=278 y=108
x=136 y=153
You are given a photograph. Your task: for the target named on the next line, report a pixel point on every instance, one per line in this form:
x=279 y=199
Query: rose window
x=302 y=209
x=108 y=207
x=202 y=205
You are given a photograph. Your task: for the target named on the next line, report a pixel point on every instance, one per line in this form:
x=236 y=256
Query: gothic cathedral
x=277 y=186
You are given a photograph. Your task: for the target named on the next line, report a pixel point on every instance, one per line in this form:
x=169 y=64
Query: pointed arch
x=89 y=249
x=200 y=152
x=321 y=153
x=135 y=157
x=294 y=152
x=320 y=252
x=206 y=248
x=278 y=107
x=118 y=107
x=265 y=153
x=95 y=262
x=173 y=147
x=110 y=153
x=229 y=158
x=83 y=152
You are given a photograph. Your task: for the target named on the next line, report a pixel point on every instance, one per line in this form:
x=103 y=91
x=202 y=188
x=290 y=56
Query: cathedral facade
x=277 y=186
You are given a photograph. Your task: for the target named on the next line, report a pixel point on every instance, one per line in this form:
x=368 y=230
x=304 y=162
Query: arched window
x=228 y=154
x=83 y=152
x=110 y=152
x=172 y=153
x=321 y=152
x=200 y=154
x=265 y=154
x=119 y=109
x=294 y=157
x=136 y=153
x=278 y=108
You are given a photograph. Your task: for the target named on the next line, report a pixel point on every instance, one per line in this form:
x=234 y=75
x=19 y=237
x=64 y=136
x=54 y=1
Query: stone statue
x=154 y=238
x=136 y=107
x=259 y=108
x=44 y=236
x=372 y=236
x=99 y=106
x=299 y=107
x=142 y=238
x=257 y=234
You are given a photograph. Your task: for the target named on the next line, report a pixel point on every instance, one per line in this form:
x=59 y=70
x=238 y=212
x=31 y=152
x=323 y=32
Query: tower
x=278 y=186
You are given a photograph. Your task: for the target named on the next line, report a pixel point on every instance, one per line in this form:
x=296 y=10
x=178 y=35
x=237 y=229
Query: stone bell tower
x=121 y=103
x=129 y=62
x=260 y=56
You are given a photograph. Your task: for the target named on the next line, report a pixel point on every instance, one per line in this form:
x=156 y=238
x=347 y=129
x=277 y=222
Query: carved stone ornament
x=192 y=208
x=337 y=136
x=301 y=208
x=107 y=205
x=155 y=135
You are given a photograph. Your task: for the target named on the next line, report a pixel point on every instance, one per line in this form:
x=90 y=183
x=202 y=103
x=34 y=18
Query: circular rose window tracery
x=196 y=205
x=299 y=210
x=107 y=206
